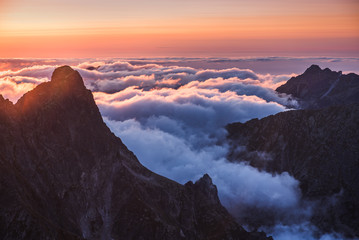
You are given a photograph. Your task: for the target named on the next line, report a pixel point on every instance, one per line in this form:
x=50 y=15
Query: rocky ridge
x=318 y=88
x=319 y=147
x=64 y=175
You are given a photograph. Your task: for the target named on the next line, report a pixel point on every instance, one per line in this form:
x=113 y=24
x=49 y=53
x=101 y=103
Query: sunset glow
x=178 y=28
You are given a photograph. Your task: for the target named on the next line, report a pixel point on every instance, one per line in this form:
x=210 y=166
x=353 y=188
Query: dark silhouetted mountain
x=317 y=88
x=64 y=175
x=319 y=147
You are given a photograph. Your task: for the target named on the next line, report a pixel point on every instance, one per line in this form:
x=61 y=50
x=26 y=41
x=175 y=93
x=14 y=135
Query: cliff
x=320 y=148
x=64 y=175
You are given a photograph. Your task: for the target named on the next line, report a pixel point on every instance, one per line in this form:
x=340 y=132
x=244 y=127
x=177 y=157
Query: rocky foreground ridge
x=319 y=147
x=64 y=175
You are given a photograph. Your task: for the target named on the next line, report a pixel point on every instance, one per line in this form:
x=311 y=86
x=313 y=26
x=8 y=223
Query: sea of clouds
x=172 y=116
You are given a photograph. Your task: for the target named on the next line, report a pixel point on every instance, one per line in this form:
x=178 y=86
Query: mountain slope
x=317 y=88
x=64 y=175
x=320 y=148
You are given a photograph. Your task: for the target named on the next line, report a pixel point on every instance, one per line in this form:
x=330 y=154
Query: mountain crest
x=64 y=175
x=312 y=69
x=206 y=186
x=317 y=88
x=66 y=86
x=66 y=76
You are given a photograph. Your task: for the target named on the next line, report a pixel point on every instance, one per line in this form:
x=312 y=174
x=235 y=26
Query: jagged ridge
x=64 y=175
x=320 y=148
x=317 y=88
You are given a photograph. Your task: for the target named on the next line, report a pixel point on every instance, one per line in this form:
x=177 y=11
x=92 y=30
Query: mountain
x=64 y=175
x=317 y=88
x=318 y=147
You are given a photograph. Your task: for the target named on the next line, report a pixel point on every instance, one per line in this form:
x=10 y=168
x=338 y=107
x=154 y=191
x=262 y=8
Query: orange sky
x=109 y=28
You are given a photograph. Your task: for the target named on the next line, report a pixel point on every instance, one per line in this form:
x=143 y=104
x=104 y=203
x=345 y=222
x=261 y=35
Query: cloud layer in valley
x=173 y=116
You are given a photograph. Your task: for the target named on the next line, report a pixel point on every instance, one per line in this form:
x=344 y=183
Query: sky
x=168 y=75
x=183 y=28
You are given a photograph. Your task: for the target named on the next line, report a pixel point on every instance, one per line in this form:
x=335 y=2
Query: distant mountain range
x=319 y=146
x=64 y=175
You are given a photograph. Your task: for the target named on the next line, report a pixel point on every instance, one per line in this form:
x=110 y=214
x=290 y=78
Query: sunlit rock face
x=317 y=88
x=64 y=175
x=319 y=147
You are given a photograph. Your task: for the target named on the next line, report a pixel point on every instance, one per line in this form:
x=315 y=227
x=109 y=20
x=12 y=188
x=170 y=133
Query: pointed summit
x=66 y=85
x=206 y=187
x=313 y=69
x=65 y=75
x=317 y=88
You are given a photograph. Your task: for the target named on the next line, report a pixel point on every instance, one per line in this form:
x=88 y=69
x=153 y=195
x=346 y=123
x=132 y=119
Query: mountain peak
x=69 y=177
x=2 y=99
x=318 y=87
x=313 y=68
x=65 y=75
x=206 y=186
x=4 y=102
x=65 y=84
x=205 y=180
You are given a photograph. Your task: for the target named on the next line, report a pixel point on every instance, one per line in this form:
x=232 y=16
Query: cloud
x=15 y=64
x=113 y=76
x=43 y=71
x=179 y=133
x=258 y=200
x=227 y=73
x=301 y=231
x=172 y=117
x=171 y=155
x=121 y=83
x=117 y=76
x=179 y=114
x=198 y=111
x=247 y=87
x=13 y=88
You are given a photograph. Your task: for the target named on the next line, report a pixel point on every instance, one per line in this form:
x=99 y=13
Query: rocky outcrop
x=317 y=88
x=64 y=175
x=320 y=148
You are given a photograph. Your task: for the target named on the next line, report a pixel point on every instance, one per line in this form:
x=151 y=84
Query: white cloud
x=301 y=231
x=172 y=117
x=253 y=197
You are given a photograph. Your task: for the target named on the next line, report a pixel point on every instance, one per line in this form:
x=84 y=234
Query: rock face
x=317 y=88
x=320 y=148
x=64 y=175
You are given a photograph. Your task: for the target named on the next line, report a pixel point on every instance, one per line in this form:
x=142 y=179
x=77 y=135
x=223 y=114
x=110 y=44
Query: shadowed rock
x=317 y=88
x=64 y=175
x=320 y=148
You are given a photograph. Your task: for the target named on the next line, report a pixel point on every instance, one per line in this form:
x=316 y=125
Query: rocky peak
x=64 y=175
x=204 y=189
x=66 y=90
x=313 y=69
x=206 y=186
x=205 y=181
x=66 y=77
x=4 y=101
x=6 y=109
x=317 y=88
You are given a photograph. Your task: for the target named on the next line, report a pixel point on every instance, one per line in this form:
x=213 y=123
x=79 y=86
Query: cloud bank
x=172 y=117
